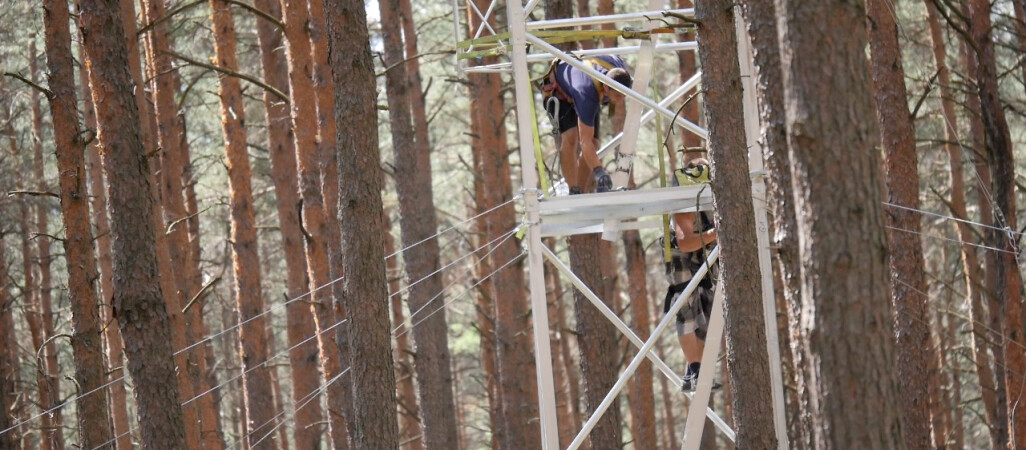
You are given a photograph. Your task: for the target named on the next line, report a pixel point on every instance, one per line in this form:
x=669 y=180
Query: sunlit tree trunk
x=998 y=145
x=365 y=288
x=94 y=429
x=153 y=134
x=260 y=412
x=515 y=361
x=847 y=336
x=908 y=282
x=50 y=397
x=340 y=401
x=971 y=269
x=137 y=298
x=114 y=347
x=303 y=358
x=418 y=224
x=304 y=127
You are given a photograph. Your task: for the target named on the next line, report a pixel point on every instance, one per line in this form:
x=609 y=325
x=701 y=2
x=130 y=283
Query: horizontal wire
x=323 y=387
x=276 y=307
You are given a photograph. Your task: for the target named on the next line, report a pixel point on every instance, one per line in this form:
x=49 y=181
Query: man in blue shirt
x=573 y=100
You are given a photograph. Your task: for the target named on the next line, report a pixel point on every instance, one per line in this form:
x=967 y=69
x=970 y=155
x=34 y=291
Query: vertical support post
x=631 y=123
x=540 y=319
x=695 y=423
x=753 y=129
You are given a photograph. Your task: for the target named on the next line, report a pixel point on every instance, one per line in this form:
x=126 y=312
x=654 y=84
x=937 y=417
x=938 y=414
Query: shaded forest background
x=460 y=287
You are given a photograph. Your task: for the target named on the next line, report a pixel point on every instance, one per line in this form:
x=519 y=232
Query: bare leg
x=692 y=347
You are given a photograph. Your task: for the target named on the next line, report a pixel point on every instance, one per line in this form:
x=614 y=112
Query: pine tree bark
x=304 y=127
x=365 y=289
x=418 y=225
x=998 y=144
x=908 y=282
x=745 y=327
x=970 y=260
x=596 y=339
x=847 y=336
x=639 y=391
x=260 y=410
x=9 y=362
x=87 y=347
x=402 y=354
x=303 y=358
x=138 y=300
x=761 y=20
x=52 y=394
x=114 y=347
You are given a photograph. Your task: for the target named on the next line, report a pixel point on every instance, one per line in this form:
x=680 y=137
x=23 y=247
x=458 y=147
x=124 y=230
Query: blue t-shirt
x=581 y=88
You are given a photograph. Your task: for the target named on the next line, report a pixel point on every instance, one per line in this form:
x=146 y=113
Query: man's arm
x=688 y=239
x=586 y=137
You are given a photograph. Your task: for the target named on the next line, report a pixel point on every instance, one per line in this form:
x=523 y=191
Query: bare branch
x=230 y=72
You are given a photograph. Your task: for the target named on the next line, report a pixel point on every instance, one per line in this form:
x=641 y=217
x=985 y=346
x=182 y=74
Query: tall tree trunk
x=908 y=281
x=745 y=326
x=304 y=128
x=596 y=339
x=303 y=358
x=365 y=289
x=515 y=361
x=340 y=401
x=970 y=261
x=138 y=301
x=844 y=275
x=1009 y=280
x=9 y=362
x=104 y=260
x=762 y=28
x=642 y=399
x=995 y=336
x=87 y=346
x=52 y=394
x=406 y=394
x=245 y=260
x=418 y=226
x=156 y=44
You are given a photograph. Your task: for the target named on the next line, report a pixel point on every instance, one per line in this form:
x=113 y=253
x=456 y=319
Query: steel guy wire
x=303 y=401
x=956 y=219
x=505 y=237
x=306 y=400
x=261 y=314
x=457 y=296
x=511 y=200
x=452 y=263
x=262 y=363
x=920 y=233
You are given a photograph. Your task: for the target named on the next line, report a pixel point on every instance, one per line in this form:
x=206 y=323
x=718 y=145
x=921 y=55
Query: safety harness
x=551 y=88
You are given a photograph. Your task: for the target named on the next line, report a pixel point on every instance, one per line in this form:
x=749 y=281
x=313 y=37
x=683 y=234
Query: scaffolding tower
x=609 y=213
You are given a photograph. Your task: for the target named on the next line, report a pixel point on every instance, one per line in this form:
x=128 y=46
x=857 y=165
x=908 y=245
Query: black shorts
x=567 y=119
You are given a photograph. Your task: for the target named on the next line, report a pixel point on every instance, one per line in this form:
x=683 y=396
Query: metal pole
x=633 y=366
x=540 y=319
x=597 y=20
x=629 y=50
x=695 y=423
x=650 y=114
x=626 y=331
x=755 y=164
x=642 y=77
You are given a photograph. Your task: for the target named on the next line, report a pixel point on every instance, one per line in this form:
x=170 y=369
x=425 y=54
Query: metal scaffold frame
x=612 y=212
